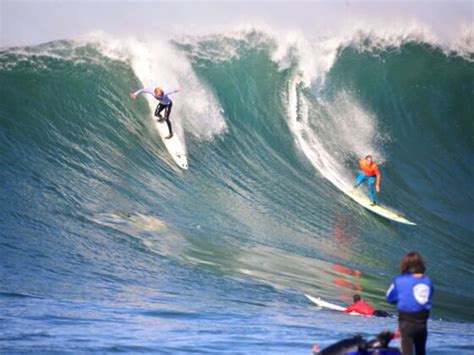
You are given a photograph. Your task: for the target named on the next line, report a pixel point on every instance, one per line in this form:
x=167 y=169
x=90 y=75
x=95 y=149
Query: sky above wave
x=32 y=22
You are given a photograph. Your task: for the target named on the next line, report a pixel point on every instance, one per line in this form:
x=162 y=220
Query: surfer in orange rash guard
x=370 y=173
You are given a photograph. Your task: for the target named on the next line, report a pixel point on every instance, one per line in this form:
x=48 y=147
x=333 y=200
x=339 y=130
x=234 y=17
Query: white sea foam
x=157 y=63
x=330 y=131
x=327 y=131
x=307 y=139
x=464 y=44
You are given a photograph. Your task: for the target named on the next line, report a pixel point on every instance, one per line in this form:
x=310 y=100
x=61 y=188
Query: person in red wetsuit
x=370 y=173
x=360 y=307
x=363 y=308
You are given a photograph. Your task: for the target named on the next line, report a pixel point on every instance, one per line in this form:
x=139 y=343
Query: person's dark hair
x=356 y=298
x=412 y=263
x=368 y=156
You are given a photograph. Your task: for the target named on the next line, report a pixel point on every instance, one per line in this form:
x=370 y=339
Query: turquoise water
x=107 y=246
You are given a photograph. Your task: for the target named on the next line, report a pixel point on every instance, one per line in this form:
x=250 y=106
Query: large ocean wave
x=273 y=125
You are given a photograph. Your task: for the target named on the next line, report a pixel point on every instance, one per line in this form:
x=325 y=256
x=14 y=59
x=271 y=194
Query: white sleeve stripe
x=390 y=289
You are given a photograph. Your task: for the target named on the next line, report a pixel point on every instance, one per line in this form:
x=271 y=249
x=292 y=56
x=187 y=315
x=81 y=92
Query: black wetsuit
x=167 y=109
x=165 y=104
x=413 y=329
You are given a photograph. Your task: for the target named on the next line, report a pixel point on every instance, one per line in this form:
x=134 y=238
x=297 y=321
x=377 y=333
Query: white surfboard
x=323 y=304
x=333 y=307
x=381 y=211
x=173 y=145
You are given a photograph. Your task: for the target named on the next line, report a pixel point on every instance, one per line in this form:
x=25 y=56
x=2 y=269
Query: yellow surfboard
x=381 y=211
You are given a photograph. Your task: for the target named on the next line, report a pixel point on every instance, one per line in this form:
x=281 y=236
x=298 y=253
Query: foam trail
x=332 y=131
x=157 y=63
x=309 y=143
x=327 y=131
x=356 y=127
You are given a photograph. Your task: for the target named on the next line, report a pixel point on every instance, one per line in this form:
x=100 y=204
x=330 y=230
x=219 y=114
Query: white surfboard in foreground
x=173 y=145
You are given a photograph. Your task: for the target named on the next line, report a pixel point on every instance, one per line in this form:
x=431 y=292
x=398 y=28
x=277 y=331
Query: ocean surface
x=107 y=246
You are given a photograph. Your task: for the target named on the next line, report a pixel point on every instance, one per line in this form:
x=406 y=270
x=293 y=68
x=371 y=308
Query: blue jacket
x=410 y=293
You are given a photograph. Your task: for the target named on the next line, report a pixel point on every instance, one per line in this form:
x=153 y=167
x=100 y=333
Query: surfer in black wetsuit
x=165 y=103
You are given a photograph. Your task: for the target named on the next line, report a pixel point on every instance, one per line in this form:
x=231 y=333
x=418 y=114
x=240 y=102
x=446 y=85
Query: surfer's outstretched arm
x=174 y=91
x=150 y=91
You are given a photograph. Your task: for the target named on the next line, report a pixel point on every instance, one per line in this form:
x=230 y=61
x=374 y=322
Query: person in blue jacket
x=164 y=103
x=412 y=292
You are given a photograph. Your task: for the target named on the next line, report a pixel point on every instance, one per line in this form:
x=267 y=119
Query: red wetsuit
x=360 y=307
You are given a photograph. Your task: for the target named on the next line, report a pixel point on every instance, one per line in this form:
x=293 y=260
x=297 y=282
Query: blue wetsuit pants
x=370 y=184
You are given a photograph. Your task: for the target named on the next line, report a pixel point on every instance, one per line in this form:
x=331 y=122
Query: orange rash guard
x=370 y=170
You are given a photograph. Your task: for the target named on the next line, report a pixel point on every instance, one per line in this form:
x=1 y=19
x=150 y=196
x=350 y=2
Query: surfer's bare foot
x=168 y=137
x=373 y=204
